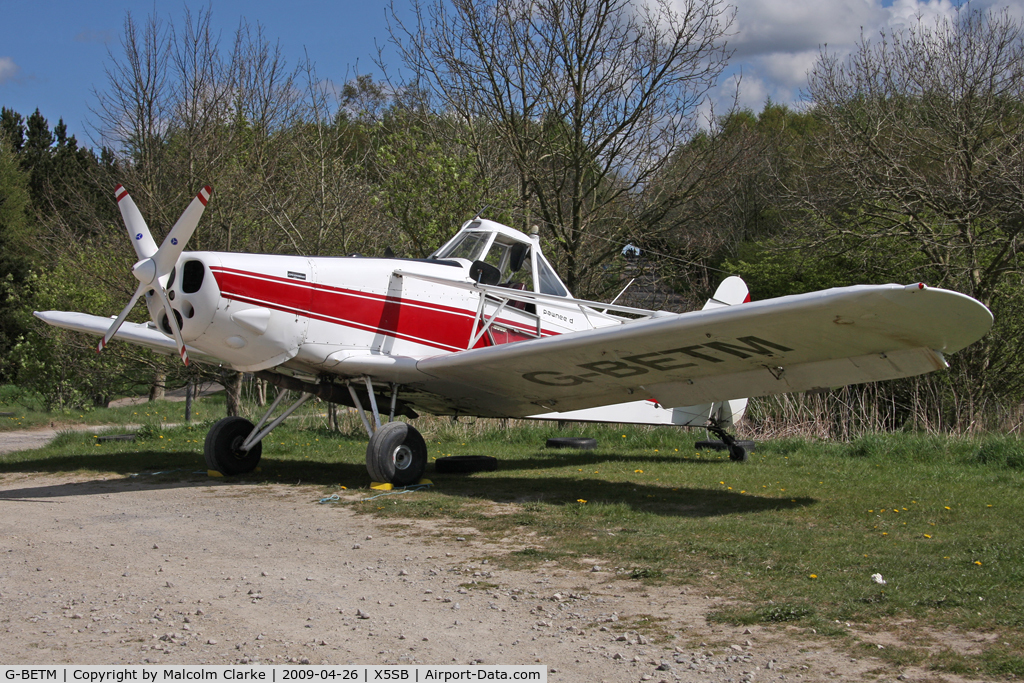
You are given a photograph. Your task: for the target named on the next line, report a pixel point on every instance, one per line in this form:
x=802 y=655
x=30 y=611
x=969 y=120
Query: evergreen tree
x=14 y=203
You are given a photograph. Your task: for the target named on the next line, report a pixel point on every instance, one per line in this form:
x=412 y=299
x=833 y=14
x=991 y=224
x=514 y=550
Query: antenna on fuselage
x=479 y=214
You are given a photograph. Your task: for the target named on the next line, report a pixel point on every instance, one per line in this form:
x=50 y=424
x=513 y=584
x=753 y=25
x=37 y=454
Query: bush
x=1002 y=451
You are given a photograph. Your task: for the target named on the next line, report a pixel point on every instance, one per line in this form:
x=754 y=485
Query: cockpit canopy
x=516 y=257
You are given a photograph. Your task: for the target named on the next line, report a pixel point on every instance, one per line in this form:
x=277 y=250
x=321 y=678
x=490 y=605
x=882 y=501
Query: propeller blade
x=181 y=232
x=138 y=231
x=171 y=320
x=120 y=319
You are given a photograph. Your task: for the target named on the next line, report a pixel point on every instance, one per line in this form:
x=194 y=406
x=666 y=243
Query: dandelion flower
x=638 y=471
x=977 y=562
x=580 y=500
x=927 y=536
x=813 y=576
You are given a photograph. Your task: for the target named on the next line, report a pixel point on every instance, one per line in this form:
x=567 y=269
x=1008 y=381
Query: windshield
x=512 y=257
x=469 y=247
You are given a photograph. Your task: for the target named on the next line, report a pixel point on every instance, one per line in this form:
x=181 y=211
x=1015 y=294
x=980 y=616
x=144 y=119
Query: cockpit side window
x=497 y=256
x=549 y=282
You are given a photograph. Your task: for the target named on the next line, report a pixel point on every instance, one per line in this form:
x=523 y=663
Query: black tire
x=465 y=464
x=581 y=442
x=738 y=453
x=396 y=454
x=222 y=447
x=720 y=445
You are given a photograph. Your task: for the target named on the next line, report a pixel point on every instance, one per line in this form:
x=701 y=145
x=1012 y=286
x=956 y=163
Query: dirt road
x=198 y=570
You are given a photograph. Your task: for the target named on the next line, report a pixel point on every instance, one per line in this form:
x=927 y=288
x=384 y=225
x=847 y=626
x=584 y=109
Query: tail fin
x=732 y=291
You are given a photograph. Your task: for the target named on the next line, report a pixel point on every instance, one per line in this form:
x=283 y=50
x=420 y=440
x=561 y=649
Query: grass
x=23 y=412
x=19 y=410
x=792 y=537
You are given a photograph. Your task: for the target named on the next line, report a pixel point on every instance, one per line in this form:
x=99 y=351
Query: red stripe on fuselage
x=443 y=327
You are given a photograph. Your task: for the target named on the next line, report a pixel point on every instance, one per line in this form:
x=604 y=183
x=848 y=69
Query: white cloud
x=788 y=69
x=777 y=42
x=769 y=26
x=906 y=13
x=8 y=69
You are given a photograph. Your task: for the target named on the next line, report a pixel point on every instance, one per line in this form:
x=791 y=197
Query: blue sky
x=52 y=54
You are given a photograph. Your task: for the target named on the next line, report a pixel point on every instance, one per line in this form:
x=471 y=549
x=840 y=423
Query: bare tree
x=925 y=131
x=588 y=98
x=313 y=189
x=922 y=159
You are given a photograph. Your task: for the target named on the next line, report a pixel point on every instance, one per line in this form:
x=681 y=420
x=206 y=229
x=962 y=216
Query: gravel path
x=27 y=439
x=197 y=570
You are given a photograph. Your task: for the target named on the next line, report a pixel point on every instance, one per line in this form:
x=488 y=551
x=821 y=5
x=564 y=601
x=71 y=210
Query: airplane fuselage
x=263 y=311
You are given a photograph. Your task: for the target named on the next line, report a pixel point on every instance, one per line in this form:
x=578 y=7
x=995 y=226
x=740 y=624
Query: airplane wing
x=137 y=333
x=823 y=339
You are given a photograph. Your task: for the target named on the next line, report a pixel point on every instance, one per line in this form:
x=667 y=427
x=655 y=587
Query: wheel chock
x=385 y=486
x=213 y=473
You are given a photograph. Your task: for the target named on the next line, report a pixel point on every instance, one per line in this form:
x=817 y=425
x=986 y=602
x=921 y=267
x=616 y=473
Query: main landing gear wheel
x=396 y=454
x=222 y=448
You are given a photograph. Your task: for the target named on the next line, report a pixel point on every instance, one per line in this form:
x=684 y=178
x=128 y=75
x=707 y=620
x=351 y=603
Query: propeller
x=154 y=266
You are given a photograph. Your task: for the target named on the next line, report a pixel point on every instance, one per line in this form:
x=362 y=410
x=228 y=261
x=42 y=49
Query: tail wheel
x=738 y=453
x=223 y=451
x=396 y=454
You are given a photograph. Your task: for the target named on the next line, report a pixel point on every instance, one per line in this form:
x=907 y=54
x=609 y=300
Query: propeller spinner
x=155 y=265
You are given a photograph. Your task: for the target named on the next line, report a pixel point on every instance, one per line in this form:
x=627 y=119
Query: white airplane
x=484 y=327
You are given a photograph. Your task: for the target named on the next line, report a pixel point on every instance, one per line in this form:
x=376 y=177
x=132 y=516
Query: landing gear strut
x=396 y=453
x=234 y=446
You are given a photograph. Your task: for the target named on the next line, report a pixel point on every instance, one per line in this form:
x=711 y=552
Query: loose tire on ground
x=581 y=442
x=222 y=447
x=466 y=464
x=396 y=454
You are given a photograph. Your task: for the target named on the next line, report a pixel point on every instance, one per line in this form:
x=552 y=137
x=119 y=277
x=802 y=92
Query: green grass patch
x=792 y=537
x=21 y=410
